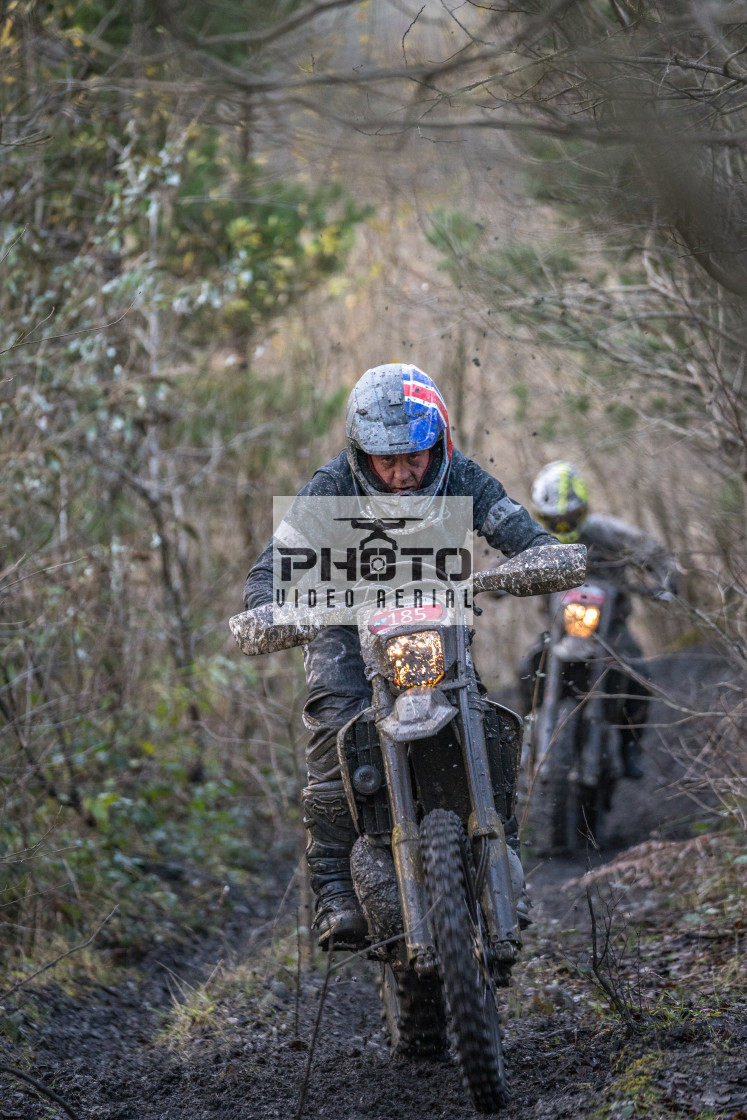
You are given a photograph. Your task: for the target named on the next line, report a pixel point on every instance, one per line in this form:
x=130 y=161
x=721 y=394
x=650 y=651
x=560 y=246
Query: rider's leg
x=518 y=881
x=337 y=690
x=339 y=918
x=511 y=763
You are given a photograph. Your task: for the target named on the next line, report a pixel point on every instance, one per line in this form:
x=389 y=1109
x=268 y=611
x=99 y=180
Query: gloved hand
x=668 y=589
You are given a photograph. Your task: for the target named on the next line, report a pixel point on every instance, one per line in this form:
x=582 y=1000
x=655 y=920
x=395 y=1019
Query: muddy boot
x=339 y=919
x=632 y=756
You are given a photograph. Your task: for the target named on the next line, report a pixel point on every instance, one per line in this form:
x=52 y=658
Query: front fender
x=571 y=648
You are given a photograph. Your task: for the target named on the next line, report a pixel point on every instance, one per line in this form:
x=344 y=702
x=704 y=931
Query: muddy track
x=264 y=1049
x=101 y=1049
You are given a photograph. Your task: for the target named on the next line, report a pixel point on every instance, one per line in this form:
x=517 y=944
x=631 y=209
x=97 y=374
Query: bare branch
x=409 y=29
x=261 y=38
x=23 y=1076
x=66 y=334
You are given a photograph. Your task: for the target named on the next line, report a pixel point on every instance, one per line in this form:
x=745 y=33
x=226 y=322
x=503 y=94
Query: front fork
x=589 y=768
x=485 y=828
x=590 y=760
x=408 y=860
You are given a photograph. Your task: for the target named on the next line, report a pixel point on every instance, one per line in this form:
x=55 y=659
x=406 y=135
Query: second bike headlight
x=416 y=658
x=580 y=619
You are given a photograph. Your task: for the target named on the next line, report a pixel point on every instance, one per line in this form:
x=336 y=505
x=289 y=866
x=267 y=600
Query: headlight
x=416 y=658
x=580 y=619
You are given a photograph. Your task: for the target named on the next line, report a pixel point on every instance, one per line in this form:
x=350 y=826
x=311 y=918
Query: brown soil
x=262 y=1050
x=100 y=1051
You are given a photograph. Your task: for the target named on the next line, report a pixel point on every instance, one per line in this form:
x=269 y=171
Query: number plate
x=588 y=594
x=406 y=616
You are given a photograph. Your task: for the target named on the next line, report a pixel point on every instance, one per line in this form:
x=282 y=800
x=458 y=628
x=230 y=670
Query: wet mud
x=309 y=1043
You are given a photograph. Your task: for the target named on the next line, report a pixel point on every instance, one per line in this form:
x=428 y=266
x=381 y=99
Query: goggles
x=562 y=523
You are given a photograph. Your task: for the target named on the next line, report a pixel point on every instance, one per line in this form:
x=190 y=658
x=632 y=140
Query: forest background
x=216 y=216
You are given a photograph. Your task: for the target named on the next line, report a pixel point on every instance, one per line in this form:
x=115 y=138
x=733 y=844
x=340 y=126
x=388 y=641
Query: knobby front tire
x=467 y=984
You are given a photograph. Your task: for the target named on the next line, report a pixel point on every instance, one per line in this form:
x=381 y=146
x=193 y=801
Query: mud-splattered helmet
x=394 y=410
x=560 y=500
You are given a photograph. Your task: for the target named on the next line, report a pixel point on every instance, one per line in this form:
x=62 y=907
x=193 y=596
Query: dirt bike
x=573 y=740
x=430 y=770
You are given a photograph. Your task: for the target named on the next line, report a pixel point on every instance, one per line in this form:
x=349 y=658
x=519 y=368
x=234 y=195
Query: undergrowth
x=164 y=854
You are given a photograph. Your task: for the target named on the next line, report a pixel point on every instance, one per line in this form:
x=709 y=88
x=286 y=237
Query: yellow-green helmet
x=560 y=498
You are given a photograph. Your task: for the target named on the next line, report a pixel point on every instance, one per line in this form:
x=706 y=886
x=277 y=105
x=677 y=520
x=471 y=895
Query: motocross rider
x=398 y=440
x=616 y=551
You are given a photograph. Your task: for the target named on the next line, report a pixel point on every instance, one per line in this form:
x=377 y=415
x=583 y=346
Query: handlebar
x=536 y=571
x=661 y=594
x=268 y=628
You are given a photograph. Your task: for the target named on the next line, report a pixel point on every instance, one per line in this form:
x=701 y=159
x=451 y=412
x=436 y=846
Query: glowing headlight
x=416 y=658
x=580 y=619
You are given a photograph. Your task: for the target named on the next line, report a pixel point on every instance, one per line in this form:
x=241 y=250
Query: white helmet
x=560 y=499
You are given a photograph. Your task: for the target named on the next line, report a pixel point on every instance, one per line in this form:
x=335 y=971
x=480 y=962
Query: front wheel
x=557 y=807
x=463 y=967
x=565 y=816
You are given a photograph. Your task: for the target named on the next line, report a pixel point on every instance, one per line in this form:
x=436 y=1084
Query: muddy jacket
x=503 y=523
x=626 y=556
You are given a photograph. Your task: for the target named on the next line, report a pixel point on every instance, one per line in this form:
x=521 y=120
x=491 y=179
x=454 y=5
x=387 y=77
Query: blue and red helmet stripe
x=426 y=411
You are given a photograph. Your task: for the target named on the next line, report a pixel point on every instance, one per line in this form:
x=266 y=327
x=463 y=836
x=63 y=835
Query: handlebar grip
x=268 y=628
x=259 y=631
x=536 y=571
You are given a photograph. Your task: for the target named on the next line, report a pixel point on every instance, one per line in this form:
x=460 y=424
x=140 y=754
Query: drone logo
x=331 y=551
x=378 y=563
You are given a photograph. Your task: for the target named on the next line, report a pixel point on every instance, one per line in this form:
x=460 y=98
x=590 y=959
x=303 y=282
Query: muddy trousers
x=338 y=690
